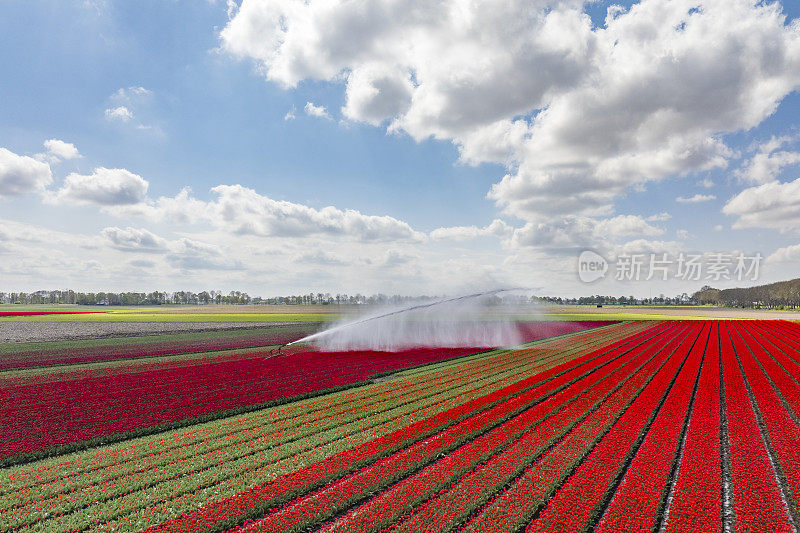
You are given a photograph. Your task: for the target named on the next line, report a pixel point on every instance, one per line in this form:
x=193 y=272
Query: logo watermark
x=591 y=266
x=716 y=266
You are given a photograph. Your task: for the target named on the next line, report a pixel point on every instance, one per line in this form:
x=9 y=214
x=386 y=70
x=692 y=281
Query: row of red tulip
x=697 y=495
x=783 y=432
x=782 y=368
x=122 y=501
x=779 y=334
x=167 y=462
x=531 y=489
x=184 y=502
x=247 y=380
x=390 y=394
x=462 y=498
x=473 y=374
x=529 y=331
x=150 y=398
x=757 y=502
x=563 y=465
x=312 y=509
x=522 y=430
x=579 y=501
x=276 y=492
x=209 y=382
x=94 y=386
x=638 y=501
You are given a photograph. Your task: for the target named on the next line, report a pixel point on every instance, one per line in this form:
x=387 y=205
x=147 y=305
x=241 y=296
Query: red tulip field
x=670 y=426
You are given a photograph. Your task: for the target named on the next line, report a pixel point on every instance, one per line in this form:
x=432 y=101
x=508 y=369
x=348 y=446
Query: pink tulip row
x=35 y=313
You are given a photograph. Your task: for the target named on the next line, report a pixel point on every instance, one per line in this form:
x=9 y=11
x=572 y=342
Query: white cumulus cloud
x=659 y=217
x=497 y=228
x=771 y=205
x=625 y=226
x=578 y=114
x=183 y=208
x=768 y=161
x=787 y=254
x=318 y=111
x=127 y=93
x=20 y=174
x=58 y=150
x=134 y=239
x=120 y=113
x=243 y=211
x=706 y=183
x=571 y=233
x=696 y=199
x=104 y=187
x=190 y=254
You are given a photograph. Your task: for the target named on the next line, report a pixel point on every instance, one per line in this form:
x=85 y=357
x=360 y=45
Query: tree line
x=242 y=298
x=780 y=295
x=196 y=298
x=784 y=294
x=682 y=299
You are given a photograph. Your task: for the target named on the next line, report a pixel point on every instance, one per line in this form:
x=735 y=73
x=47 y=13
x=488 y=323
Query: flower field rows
x=97 y=404
x=115 y=349
x=154 y=478
x=91 y=407
x=75 y=352
x=640 y=426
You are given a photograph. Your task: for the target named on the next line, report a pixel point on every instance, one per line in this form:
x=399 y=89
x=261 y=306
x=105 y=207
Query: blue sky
x=448 y=149
x=205 y=103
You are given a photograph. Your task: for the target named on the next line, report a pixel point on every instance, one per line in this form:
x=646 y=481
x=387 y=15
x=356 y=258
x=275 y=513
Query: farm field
x=590 y=426
x=78 y=405
x=400 y=266
x=41 y=354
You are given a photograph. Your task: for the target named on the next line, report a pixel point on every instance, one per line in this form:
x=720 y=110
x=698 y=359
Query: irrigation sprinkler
x=275 y=352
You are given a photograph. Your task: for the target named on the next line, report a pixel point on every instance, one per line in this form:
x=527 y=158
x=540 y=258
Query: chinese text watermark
x=716 y=266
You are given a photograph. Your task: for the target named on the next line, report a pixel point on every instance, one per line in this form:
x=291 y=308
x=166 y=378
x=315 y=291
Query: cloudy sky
x=401 y=146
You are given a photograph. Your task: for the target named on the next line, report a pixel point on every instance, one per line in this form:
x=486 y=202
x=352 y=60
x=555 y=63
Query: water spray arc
x=405 y=310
